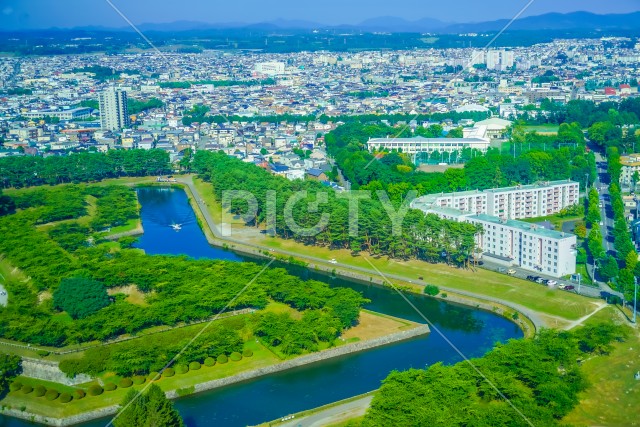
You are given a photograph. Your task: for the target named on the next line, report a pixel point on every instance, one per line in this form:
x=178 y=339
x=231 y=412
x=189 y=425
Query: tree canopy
x=80 y=296
x=152 y=409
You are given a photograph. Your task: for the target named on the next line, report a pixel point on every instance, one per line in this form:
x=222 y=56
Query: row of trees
x=520 y=383
x=414 y=236
x=586 y=113
x=626 y=255
x=26 y=171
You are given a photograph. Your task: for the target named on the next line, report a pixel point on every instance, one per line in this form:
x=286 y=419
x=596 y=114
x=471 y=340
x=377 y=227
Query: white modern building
x=522 y=201
x=113 y=109
x=69 y=114
x=630 y=165
x=270 y=68
x=417 y=145
x=516 y=243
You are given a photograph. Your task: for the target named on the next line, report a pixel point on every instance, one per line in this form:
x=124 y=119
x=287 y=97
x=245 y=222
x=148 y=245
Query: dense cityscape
x=194 y=222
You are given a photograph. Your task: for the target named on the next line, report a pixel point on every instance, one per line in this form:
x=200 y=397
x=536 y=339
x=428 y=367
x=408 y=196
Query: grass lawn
x=613 y=396
x=556 y=220
x=547 y=128
x=374 y=325
x=552 y=302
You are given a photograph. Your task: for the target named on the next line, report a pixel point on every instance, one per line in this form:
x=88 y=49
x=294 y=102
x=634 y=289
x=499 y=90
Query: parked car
x=569 y=288
x=531 y=278
x=502 y=270
x=511 y=271
x=551 y=283
x=541 y=281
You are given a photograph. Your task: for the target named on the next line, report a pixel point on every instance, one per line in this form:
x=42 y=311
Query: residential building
x=630 y=165
x=522 y=201
x=516 y=243
x=113 y=109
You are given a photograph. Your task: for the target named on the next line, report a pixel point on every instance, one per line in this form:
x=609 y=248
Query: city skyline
x=34 y=14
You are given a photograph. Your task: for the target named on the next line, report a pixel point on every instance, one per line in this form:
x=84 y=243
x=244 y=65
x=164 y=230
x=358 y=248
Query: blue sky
x=23 y=14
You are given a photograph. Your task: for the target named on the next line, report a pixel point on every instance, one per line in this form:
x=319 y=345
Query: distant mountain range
x=389 y=24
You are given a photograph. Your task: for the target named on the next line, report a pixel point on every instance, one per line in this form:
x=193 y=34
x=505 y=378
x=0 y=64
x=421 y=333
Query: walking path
x=334 y=414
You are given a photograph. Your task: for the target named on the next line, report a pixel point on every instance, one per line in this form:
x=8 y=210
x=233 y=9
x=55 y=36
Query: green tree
x=6 y=204
x=80 y=296
x=9 y=368
x=152 y=409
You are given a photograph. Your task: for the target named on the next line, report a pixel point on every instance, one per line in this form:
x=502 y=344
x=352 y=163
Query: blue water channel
x=472 y=331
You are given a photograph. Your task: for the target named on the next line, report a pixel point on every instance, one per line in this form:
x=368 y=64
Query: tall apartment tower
x=113 y=109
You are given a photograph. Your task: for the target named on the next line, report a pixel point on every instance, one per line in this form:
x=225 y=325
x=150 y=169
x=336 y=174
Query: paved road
x=602 y=185
x=335 y=414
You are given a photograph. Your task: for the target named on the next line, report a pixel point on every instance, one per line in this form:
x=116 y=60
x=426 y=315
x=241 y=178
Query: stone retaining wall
x=61 y=422
x=49 y=371
x=311 y=358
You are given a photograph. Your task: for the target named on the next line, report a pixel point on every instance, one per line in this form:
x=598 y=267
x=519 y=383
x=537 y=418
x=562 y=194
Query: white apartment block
x=270 y=68
x=516 y=243
x=522 y=201
x=630 y=165
x=113 y=109
x=417 y=145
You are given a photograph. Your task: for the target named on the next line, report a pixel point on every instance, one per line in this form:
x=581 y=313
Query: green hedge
x=125 y=383
x=26 y=389
x=247 y=352
x=209 y=361
x=39 y=391
x=65 y=397
x=235 y=356
x=181 y=369
x=194 y=366
x=169 y=372
x=139 y=379
x=15 y=386
x=222 y=359
x=95 y=390
x=79 y=394
x=110 y=386
x=154 y=376
x=51 y=395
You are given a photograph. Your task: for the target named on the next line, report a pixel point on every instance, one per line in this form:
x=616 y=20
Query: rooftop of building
x=429 y=140
x=535 y=186
x=523 y=226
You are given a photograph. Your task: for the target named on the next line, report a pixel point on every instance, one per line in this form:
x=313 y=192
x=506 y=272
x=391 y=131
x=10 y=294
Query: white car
x=552 y=283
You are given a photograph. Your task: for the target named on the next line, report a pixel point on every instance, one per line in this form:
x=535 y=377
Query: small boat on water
x=176 y=227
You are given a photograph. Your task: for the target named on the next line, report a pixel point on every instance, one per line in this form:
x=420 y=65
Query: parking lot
x=542 y=280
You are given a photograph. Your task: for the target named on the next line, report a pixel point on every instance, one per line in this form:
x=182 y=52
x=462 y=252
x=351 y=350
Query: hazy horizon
x=41 y=14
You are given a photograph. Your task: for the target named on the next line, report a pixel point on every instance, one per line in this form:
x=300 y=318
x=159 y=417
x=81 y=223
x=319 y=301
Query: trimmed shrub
x=169 y=372
x=79 y=394
x=15 y=386
x=194 y=366
x=125 y=383
x=51 y=395
x=65 y=398
x=154 y=376
x=247 y=352
x=26 y=389
x=222 y=359
x=110 y=387
x=235 y=356
x=209 y=361
x=43 y=353
x=139 y=379
x=95 y=390
x=39 y=391
x=181 y=369
x=432 y=290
